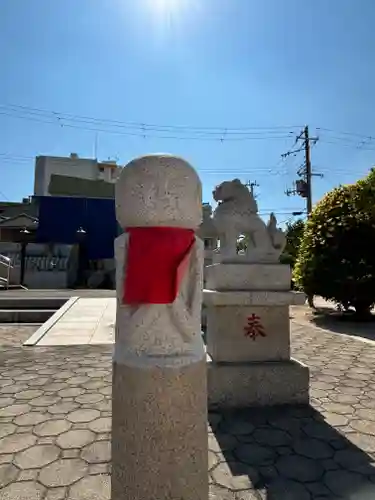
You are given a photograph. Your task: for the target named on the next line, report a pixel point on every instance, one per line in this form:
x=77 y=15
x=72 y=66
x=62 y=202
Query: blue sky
x=229 y=64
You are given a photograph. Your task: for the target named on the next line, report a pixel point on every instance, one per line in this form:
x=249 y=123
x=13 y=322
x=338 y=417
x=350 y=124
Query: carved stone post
x=159 y=422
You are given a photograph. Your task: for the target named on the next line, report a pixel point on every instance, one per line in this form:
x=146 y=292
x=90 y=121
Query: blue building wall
x=61 y=217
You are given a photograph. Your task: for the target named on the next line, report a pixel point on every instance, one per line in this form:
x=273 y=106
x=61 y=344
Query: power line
x=353 y=134
x=179 y=132
x=9 y=157
x=142 y=129
x=143 y=125
x=145 y=134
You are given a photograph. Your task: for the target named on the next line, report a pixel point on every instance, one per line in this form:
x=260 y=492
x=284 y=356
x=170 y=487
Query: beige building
x=53 y=169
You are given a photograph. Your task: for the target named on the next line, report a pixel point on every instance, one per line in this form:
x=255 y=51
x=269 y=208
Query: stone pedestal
x=159 y=433
x=248 y=337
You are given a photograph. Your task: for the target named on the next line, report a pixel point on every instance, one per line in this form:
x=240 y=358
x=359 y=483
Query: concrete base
x=226 y=336
x=247 y=277
x=159 y=433
x=240 y=385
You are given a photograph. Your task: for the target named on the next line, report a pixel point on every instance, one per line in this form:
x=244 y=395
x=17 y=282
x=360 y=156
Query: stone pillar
x=247 y=299
x=159 y=422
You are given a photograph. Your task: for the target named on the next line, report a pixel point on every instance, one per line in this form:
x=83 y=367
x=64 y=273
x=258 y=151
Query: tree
x=294 y=233
x=337 y=253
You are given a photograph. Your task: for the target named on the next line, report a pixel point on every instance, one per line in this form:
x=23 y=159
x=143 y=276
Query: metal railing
x=5 y=262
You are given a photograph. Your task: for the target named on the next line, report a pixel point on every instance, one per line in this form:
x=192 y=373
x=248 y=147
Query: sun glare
x=166 y=5
x=169 y=8
x=171 y=16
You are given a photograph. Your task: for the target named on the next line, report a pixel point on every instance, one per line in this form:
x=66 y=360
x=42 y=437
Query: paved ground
x=15 y=335
x=55 y=419
x=88 y=321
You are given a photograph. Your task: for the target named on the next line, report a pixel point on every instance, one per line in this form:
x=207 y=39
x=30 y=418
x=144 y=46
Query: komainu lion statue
x=236 y=215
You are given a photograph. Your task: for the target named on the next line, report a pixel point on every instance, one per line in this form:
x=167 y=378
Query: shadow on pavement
x=285 y=453
x=342 y=323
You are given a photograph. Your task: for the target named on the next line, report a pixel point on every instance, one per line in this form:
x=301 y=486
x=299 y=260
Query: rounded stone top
x=158 y=190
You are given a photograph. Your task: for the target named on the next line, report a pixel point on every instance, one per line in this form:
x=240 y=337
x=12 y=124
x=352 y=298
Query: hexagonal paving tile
x=365 y=442
x=25 y=490
x=83 y=415
x=37 y=456
x=343 y=482
x=254 y=454
x=96 y=373
x=94 y=384
x=63 y=472
x=368 y=403
x=29 y=394
x=28 y=475
x=213 y=460
x=8 y=473
x=52 y=427
x=62 y=374
x=219 y=493
x=105 y=405
x=221 y=442
x=16 y=442
x=13 y=373
x=107 y=391
x=271 y=437
x=335 y=419
x=97 y=452
x=365 y=426
x=92 y=488
x=75 y=438
x=299 y=468
x=103 y=424
x=89 y=398
x=6 y=430
x=71 y=392
x=13 y=389
x=40 y=381
x=339 y=408
x=45 y=401
x=55 y=386
x=243 y=478
x=14 y=410
x=366 y=414
x=7 y=402
x=343 y=398
x=25 y=377
x=289 y=490
x=313 y=448
x=64 y=407
x=77 y=380
x=32 y=418
x=351 y=457
x=58 y=493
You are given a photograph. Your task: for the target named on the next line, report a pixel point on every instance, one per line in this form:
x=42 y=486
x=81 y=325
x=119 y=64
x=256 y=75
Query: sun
x=169 y=8
x=171 y=16
x=166 y=6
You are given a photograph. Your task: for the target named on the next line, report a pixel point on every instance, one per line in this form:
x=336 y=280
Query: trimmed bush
x=337 y=253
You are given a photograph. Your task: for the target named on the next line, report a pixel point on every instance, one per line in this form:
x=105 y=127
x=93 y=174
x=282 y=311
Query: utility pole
x=303 y=186
x=308 y=171
x=252 y=185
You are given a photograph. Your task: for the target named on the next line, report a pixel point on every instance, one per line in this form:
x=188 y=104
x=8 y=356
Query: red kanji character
x=254 y=327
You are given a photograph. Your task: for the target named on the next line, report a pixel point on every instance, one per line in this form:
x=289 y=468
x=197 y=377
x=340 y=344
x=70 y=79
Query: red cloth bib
x=157 y=260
